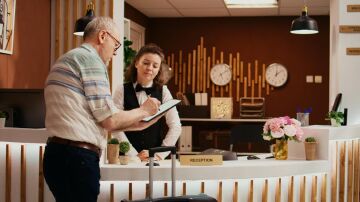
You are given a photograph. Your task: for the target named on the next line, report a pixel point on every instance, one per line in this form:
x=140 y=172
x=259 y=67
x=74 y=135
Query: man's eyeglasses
x=117 y=43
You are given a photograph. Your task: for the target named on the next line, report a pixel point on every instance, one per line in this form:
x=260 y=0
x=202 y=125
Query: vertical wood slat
x=111 y=9
x=242 y=72
x=130 y=191
x=112 y=192
x=22 y=174
x=259 y=87
x=57 y=28
x=265 y=191
x=102 y=8
x=193 y=71
x=251 y=191
x=249 y=74
x=238 y=89
x=184 y=189
x=184 y=78
x=8 y=175
x=236 y=192
x=219 y=198
x=245 y=87
x=356 y=171
x=198 y=75
x=41 y=175
x=263 y=76
x=323 y=188
x=334 y=175
x=314 y=189
x=291 y=190
x=75 y=17
x=237 y=64
x=189 y=70
x=208 y=72
x=342 y=172
x=66 y=26
x=165 y=189
x=278 y=191
x=200 y=65
x=302 y=192
x=350 y=180
x=256 y=71
x=204 y=70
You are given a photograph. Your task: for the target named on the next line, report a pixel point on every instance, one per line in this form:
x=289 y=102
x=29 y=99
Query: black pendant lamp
x=304 y=24
x=82 y=22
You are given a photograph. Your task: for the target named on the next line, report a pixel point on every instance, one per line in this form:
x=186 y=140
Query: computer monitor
x=337 y=101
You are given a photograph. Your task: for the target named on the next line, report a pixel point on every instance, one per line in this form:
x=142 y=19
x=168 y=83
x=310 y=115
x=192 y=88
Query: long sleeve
x=119 y=103
x=173 y=123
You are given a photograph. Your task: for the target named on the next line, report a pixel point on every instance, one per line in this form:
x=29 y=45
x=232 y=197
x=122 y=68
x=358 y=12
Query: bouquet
x=282 y=128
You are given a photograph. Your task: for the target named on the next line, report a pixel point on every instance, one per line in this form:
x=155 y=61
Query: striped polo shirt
x=77 y=97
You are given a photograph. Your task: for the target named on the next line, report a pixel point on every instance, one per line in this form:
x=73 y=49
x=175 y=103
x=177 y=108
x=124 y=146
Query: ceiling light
x=304 y=24
x=251 y=3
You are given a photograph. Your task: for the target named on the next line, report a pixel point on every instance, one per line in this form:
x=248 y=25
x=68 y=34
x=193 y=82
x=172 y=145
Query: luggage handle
x=152 y=152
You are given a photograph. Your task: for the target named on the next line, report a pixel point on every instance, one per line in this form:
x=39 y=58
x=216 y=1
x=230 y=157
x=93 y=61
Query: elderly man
x=80 y=111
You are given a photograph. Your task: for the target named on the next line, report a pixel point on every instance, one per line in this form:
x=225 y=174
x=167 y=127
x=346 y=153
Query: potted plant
x=2 y=119
x=124 y=147
x=336 y=118
x=310 y=148
x=113 y=151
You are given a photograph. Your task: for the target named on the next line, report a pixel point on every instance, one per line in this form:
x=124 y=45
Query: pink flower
x=278 y=134
x=282 y=127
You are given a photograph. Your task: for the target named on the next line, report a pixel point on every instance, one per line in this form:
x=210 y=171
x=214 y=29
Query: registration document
x=162 y=109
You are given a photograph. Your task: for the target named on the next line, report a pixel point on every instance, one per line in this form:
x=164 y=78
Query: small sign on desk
x=349 y=29
x=352 y=51
x=201 y=160
x=353 y=8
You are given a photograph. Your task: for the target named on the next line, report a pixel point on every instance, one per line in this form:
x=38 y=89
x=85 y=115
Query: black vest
x=149 y=137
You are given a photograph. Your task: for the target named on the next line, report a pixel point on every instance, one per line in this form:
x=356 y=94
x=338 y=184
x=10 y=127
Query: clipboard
x=162 y=109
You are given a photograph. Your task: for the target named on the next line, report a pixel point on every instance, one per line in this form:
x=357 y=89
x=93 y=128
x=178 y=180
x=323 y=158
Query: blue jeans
x=72 y=173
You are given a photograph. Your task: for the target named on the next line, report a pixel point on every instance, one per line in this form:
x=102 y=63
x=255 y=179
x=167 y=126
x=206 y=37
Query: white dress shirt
x=171 y=116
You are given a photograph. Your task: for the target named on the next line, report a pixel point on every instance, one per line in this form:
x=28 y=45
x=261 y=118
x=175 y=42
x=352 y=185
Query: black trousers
x=72 y=173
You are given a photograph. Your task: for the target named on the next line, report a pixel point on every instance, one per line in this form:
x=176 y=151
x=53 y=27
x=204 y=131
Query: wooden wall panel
x=29 y=64
x=246 y=36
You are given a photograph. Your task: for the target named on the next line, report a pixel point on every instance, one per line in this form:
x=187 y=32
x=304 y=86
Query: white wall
x=344 y=69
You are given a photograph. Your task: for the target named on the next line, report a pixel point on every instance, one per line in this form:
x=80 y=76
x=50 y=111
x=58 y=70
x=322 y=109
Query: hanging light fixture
x=82 y=22
x=304 y=24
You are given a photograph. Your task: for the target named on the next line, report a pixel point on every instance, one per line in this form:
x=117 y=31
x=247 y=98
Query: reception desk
x=334 y=177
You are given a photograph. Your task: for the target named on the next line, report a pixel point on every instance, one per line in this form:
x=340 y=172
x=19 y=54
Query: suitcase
x=172 y=198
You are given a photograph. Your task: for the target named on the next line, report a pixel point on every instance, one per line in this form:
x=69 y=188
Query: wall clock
x=276 y=74
x=220 y=74
x=221 y=108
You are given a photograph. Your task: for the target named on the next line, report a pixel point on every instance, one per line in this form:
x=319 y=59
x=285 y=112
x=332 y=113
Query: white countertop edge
x=229 y=170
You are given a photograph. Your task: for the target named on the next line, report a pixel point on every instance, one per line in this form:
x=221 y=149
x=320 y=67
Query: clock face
x=220 y=74
x=276 y=74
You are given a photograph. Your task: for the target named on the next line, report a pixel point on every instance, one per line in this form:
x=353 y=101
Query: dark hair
x=131 y=72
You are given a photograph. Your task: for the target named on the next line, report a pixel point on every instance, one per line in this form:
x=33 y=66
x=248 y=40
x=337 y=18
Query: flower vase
x=281 y=149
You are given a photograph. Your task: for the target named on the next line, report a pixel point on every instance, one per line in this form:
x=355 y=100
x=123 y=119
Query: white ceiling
x=217 y=8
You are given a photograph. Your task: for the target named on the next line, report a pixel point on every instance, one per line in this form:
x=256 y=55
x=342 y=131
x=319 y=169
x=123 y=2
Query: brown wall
x=135 y=15
x=266 y=39
x=29 y=64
